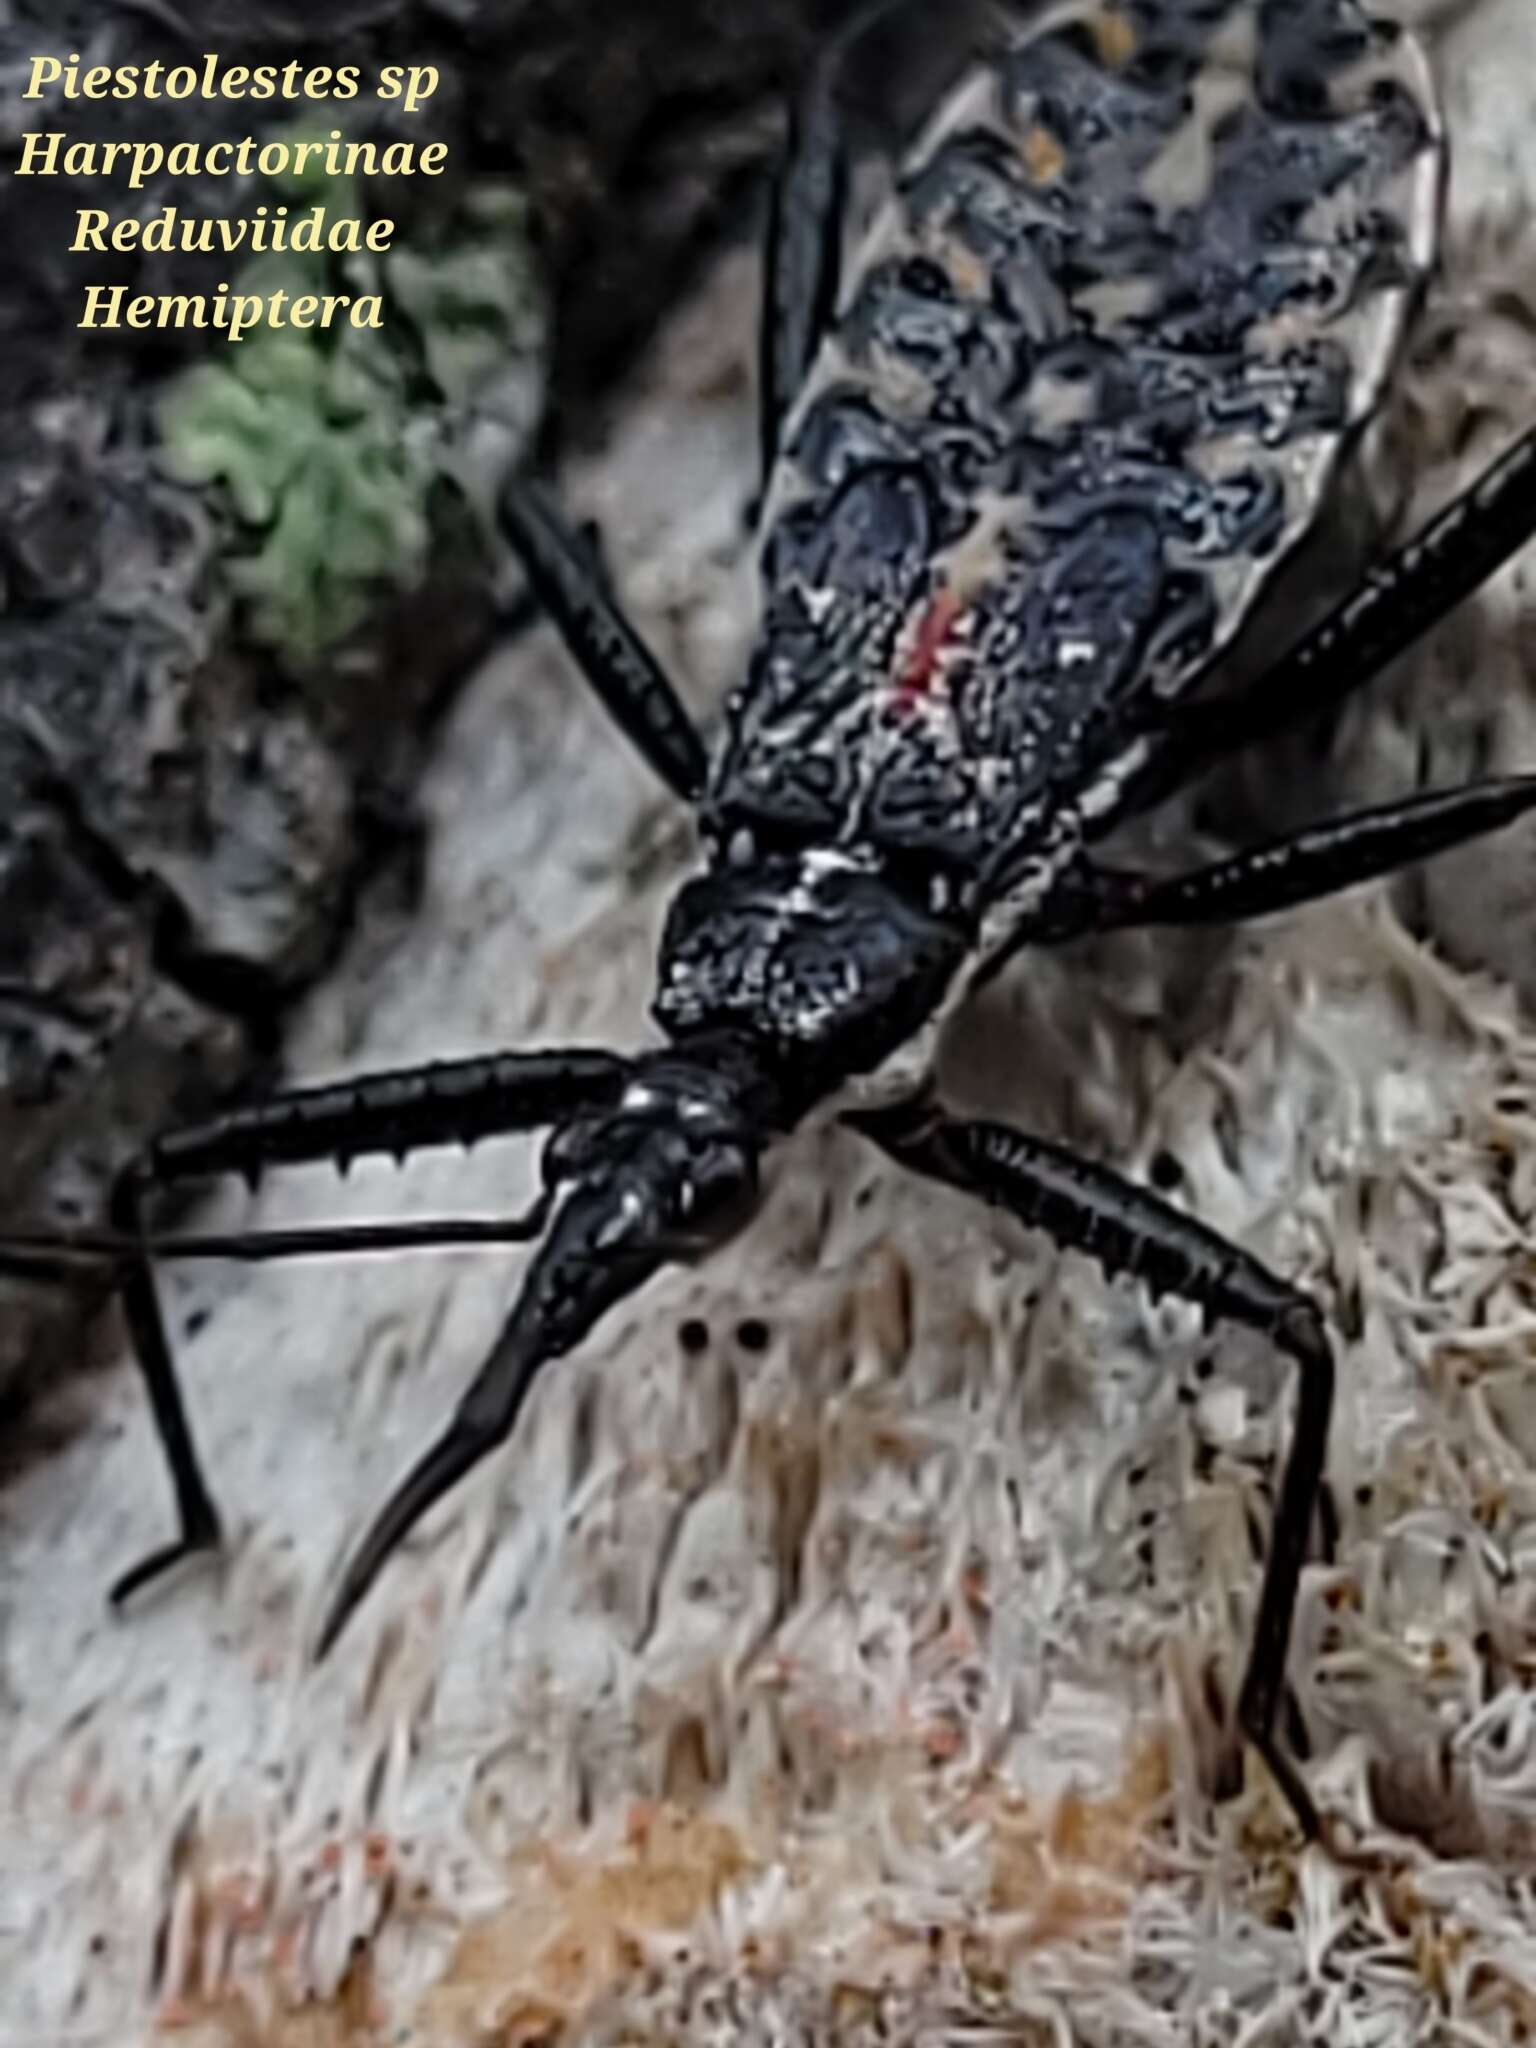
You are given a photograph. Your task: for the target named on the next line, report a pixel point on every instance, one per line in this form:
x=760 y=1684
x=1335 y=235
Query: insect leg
x=1393 y=607
x=804 y=253
x=1317 y=862
x=803 y=264
x=454 y=1102
x=56 y=1254
x=607 y=1238
x=607 y=649
x=1087 y=1207
x=483 y=1420
x=195 y=1511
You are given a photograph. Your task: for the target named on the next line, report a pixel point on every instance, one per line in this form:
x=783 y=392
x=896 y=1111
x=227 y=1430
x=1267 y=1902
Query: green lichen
x=477 y=302
x=324 y=439
x=308 y=433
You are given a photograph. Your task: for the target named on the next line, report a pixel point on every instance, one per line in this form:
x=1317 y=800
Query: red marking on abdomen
x=920 y=669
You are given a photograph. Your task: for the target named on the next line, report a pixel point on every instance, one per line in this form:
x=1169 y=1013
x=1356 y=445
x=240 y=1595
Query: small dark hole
x=1166 y=1171
x=753 y=1334
x=693 y=1335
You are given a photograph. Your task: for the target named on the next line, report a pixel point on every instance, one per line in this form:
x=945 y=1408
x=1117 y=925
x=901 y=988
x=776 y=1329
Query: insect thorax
x=826 y=963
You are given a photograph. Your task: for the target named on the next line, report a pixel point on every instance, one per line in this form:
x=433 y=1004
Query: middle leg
x=567 y=579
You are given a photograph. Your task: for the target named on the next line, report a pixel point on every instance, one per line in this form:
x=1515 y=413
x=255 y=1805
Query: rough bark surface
x=145 y=739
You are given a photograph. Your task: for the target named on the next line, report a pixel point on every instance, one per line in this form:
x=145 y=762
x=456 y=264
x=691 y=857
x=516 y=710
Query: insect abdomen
x=1094 y=368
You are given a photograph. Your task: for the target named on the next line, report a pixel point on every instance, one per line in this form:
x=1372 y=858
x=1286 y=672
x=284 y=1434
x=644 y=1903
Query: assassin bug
x=1030 y=463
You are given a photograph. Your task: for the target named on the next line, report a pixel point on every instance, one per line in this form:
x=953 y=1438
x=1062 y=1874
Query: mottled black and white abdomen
x=1093 y=370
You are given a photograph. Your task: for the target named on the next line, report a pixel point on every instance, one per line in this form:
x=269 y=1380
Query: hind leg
x=1302 y=868
x=1086 y=1207
x=803 y=266
x=803 y=257
x=1395 y=605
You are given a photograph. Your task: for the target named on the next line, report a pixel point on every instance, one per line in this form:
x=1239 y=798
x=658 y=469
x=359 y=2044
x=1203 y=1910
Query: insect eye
x=717 y=1188
x=924 y=278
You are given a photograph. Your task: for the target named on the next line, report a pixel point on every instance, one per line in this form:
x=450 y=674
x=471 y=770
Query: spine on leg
x=452 y=1103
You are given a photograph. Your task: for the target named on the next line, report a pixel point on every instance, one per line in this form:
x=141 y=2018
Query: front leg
x=453 y=1102
x=200 y=1528
x=1087 y=1207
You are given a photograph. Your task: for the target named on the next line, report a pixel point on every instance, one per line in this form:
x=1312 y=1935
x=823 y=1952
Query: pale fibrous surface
x=841 y=1651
